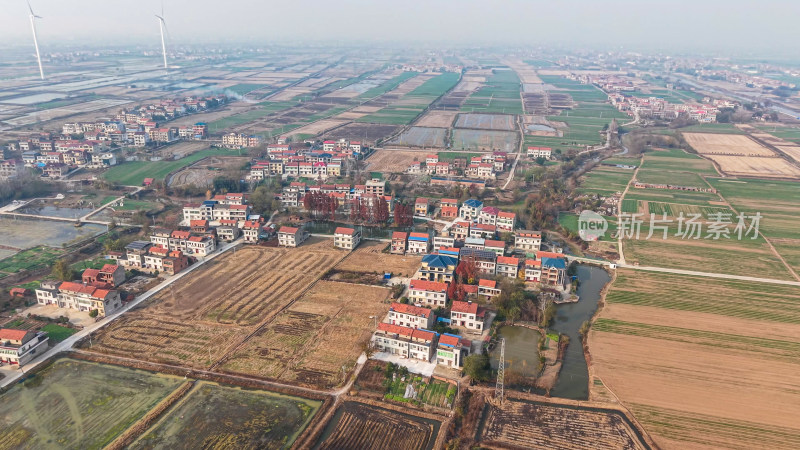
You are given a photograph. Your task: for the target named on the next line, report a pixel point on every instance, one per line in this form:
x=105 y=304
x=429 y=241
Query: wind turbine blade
x=31 y=9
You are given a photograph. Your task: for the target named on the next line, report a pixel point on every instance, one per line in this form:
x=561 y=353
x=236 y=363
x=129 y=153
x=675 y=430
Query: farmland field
x=133 y=173
x=605 y=181
x=521 y=424
x=726 y=144
x=219 y=303
x=217 y=416
x=409 y=106
x=369 y=256
x=485 y=140
x=501 y=122
x=421 y=137
x=500 y=94
x=78 y=404
x=312 y=340
x=357 y=425
x=673 y=348
x=388 y=160
x=437 y=119
x=676 y=160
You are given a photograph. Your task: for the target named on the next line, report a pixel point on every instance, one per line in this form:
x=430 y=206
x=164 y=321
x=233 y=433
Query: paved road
x=66 y=344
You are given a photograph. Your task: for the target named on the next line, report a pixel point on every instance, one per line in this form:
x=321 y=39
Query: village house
x=528 y=241
x=470 y=209
x=448 y=208
x=421 y=207
x=18 y=347
x=108 y=276
x=443 y=241
x=164 y=260
x=418 y=243
x=451 y=350
x=506 y=221
x=346 y=238
x=251 y=229
x=554 y=268
x=228 y=233
x=438 y=267
x=467 y=315
x=460 y=230
x=134 y=253
x=508 y=266
x=410 y=316
x=375 y=187
x=291 y=236
x=430 y=293
x=475 y=242
x=87 y=298
x=539 y=152
x=448 y=251
x=404 y=341
x=533 y=270
x=488 y=215
x=399 y=239
x=239 y=140
x=483 y=230
x=485 y=261
x=488 y=288
x=498 y=247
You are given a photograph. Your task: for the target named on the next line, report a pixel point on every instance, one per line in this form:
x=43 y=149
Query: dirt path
x=621 y=260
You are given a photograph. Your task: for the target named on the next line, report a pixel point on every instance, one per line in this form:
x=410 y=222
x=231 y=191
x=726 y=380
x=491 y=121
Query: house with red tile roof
x=404 y=341
x=421 y=207
x=18 y=347
x=291 y=236
x=410 y=316
x=451 y=350
x=87 y=298
x=399 y=241
x=488 y=288
x=346 y=238
x=429 y=293
x=528 y=241
x=251 y=229
x=467 y=315
x=533 y=270
x=506 y=221
x=488 y=215
x=507 y=266
x=418 y=243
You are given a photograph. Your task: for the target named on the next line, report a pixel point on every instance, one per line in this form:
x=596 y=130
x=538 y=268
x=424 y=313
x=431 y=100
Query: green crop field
x=411 y=105
x=677 y=160
x=57 y=333
x=605 y=180
x=244 y=88
x=264 y=109
x=133 y=173
x=500 y=94
x=387 y=86
x=31 y=259
x=659 y=176
x=569 y=221
x=78 y=404
x=672 y=196
x=629 y=206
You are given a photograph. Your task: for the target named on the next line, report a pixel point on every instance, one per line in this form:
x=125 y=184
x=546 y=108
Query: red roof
x=449 y=340
x=109 y=268
x=419 y=235
x=423 y=335
x=178 y=234
x=249 y=224
x=91 y=273
x=399 y=235
x=533 y=263
x=449 y=200
x=290 y=230
x=490 y=210
x=199 y=223
x=396 y=329
x=470 y=288
x=196 y=239
x=484 y=226
x=507 y=215
x=509 y=260
x=465 y=307
x=433 y=286
x=526 y=233
x=422 y=200
x=493 y=243
x=10 y=334
x=487 y=283
x=344 y=230
x=542 y=254
x=410 y=309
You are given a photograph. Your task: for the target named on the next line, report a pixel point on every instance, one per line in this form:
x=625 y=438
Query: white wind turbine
x=161 y=26
x=35 y=41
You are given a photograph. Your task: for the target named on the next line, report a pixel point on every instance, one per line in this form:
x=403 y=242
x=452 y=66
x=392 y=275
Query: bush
x=93 y=313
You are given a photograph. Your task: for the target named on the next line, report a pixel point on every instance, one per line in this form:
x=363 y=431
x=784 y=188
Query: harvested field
x=366 y=132
x=726 y=144
x=312 y=340
x=522 y=424
x=213 y=308
x=503 y=122
x=674 y=348
x=78 y=404
x=369 y=256
x=349 y=115
x=755 y=166
x=421 y=137
x=437 y=119
x=202 y=172
x=481 y=140
x=217 y=416
x=319 y=126
x=394 y=161
x=360 y=426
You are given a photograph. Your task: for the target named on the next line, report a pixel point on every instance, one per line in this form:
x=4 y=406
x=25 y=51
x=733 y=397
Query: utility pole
x=501 y=370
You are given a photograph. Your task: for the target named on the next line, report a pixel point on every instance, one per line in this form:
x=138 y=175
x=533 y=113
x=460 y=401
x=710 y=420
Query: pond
x=26 y=233
x=573 y=381
x=522 y=355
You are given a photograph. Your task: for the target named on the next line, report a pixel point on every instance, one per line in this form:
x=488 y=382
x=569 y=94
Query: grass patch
x=133 y=173
x=58 y=333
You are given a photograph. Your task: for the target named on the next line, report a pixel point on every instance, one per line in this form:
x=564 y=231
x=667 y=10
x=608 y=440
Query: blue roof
x=209 y=203
x=417 y=238
x=473 y=203
x=449 y=252
x=555 y=263
x=439 y=260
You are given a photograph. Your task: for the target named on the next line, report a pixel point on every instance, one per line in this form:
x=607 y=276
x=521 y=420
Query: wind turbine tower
x=35 y=41
x=161 y=26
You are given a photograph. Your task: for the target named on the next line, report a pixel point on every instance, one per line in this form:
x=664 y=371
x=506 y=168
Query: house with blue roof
x=470 y=209
x=439 y=267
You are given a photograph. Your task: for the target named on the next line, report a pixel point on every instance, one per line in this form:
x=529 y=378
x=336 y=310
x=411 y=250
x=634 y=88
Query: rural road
x=66 y=344
x=712 y=275
x=102 y=207
x=621 y=260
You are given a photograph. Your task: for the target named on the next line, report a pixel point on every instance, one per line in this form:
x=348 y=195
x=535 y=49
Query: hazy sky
x=703 y=24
